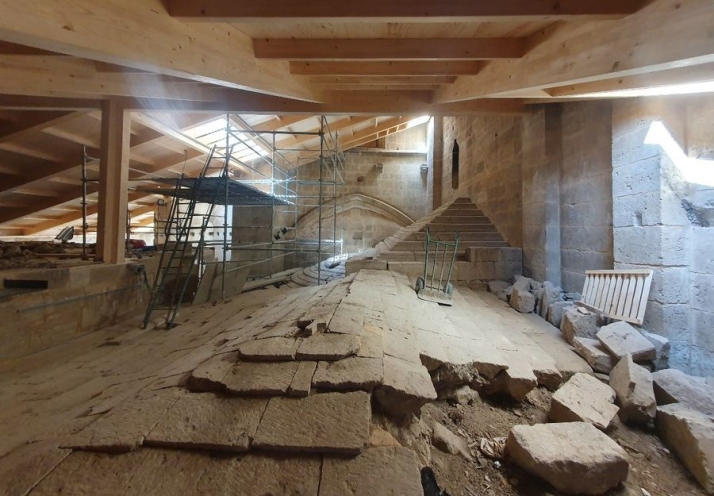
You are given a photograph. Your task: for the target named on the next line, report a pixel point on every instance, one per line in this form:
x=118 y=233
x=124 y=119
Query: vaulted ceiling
x=372 y=64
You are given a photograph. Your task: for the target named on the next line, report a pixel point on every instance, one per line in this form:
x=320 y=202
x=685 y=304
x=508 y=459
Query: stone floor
x=274 y=392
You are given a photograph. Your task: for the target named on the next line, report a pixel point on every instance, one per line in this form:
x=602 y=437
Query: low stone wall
x=78 y=300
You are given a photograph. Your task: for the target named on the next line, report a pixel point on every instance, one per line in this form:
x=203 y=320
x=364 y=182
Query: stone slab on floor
x=371 y=342
x=260 y=378
x=168 y=472
x=210 y=374
x=269 y=350
x=24 y=467
x=210 y=422
x=674 y=386
x=594 y=353
x=584 y=399
x=573 y=457
x=326 y=346
x=578 y=322
x=635 y=394
x=406 y=387
x=260 y=475
x=322 y=423
x=352 y=373
x=302 y=381
x=622 y=339
x=348 y=319
x=377 y=471
x=84 y=473
x=690 y=435
x=125 y=426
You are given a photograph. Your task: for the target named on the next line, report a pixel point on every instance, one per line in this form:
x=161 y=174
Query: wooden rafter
x=36 y=121
x=665 y=34
x=394 y=11
x=391 y=68
x=390 y=49
x=212 y=54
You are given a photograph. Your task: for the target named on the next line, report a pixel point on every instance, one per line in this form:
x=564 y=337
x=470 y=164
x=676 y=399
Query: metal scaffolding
x=266 y=185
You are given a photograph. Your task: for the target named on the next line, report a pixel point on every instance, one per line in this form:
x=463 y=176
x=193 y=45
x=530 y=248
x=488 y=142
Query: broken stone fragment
x=459 y=396
x=555 y=312
x=380 y=437
x=674 y=386
x=584 y=399
x=578 y=324
x=635 y=394
x=406 y=388
x=662 y=349
x=621 y=339
x=517 y=380
x=575 y=457
x=447 y=441
x=690 y=435
x=593 y=353
x=547 y=296
x=523 y=283
x=500 y=288
x=452 y=375
x=522 y=300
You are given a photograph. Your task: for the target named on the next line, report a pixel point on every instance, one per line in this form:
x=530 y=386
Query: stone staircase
x=483 y=254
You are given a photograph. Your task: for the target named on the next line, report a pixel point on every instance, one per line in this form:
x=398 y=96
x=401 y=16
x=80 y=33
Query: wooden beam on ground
x=400 y=11
x=113 y=183
x=98 y=31
x=700 y=73
x=390 y=49
x=7 y=48
x=666 y=34
x=391 y=68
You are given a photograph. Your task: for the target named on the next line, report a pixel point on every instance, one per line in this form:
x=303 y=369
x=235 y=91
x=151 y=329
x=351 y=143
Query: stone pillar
x=113 y=183
x=650 y=227
x=542 y=158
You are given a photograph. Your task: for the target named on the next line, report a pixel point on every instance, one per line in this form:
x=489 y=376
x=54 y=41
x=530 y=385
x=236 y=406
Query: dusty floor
x=52 y=394
x=652 y=467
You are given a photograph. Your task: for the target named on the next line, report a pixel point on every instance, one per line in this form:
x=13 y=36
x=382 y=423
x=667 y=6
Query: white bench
x=618 y=294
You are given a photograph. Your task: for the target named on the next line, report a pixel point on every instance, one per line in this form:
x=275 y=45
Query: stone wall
x=490 y=168
x=544 y=181
x=660 y=218
x=78 y=300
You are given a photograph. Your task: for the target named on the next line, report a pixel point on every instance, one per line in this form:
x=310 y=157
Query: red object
x=137 y=243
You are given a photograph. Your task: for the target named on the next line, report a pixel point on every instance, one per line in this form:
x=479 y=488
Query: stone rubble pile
x=636 y=385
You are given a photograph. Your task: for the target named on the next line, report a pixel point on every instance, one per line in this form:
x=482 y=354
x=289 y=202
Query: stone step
x=465 y=227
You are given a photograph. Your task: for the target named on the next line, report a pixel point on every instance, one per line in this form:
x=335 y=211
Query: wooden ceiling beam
x=375 y=103
x=684 y=75
x=400 y=11
x=382 y=80
x=34 y=122
x=36 y=103
x=665 y=34
x=67 y=77
x=391 y=68
x=281 y=122
x=94 y=30
x=390 y=49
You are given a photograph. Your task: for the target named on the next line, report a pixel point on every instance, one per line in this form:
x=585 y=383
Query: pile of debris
x=631 y=380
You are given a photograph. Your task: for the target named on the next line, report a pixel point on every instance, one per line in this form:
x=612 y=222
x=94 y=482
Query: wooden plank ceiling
x=373 y=65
